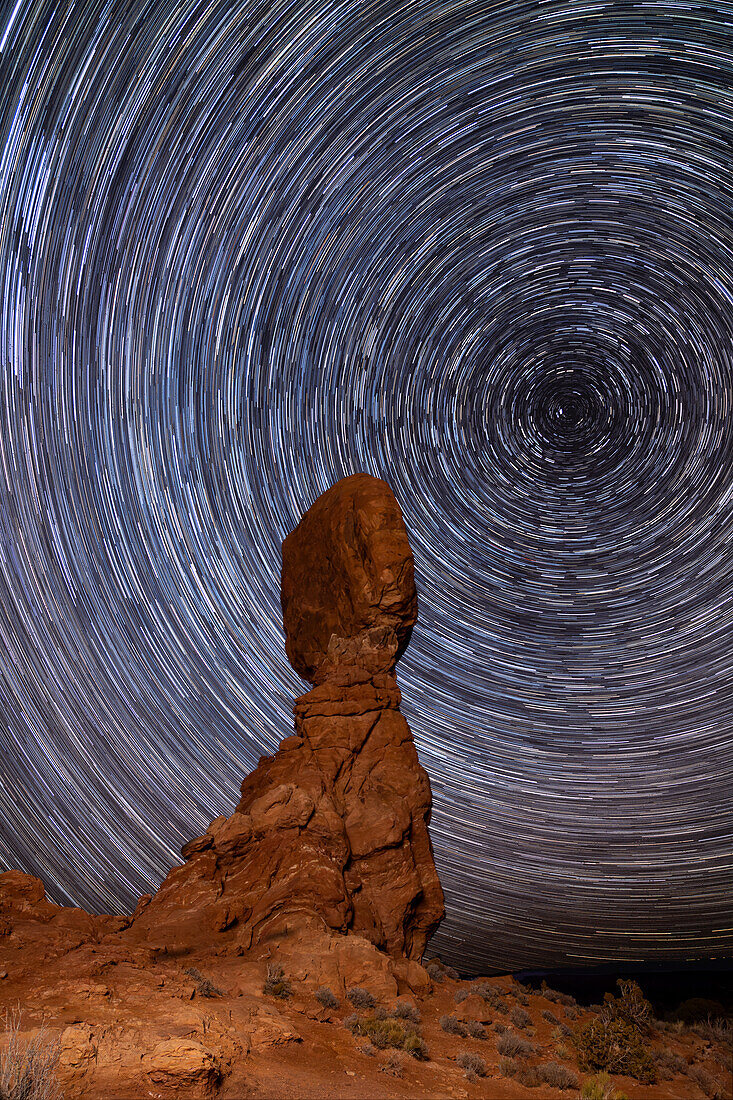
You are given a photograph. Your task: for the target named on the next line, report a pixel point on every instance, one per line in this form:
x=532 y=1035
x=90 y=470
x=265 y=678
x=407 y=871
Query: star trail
x=482 y=251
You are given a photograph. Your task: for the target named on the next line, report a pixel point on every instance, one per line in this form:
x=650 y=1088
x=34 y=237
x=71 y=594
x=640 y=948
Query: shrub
x=616 y=1046
x=556 y=996
x=388 y=1032
x=367 y=1047
x=562 y=1051
x=491 y=995
x=508 y=1067
x=452 y=1025
x=327 y=998
x=360 y=998
x=435 y=972
x=715 y=1031
x=276 y=984
x=572 y=1013
x=557 y=1076
x=28 y=1071
x=204 y=986
x=695 y=1009
x=709 y=1084
x=600 y=1087
x=500 y=1028
x=520 y=1018
x=514 y=1045
x=415 y=1046
x=529 y=1076
x=673 y=1063
x=549 y=1016
x=461 y=995
x=403 y=1010
x=394 y=1065
x=474 y=1029
x=473 y=1065
x=632 y=1007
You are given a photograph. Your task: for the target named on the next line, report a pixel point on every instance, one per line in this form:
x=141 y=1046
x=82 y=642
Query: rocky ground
x=139 y=1021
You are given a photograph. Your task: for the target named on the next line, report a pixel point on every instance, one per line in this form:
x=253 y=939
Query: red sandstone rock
x=348 y=581
x=336 y=823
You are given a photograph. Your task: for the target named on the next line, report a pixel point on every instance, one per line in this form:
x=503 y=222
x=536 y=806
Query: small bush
x=394 y=1065
x=276 y=984
x=556 y=996
x=715 y=1031
x=491 y=995
x=388 y=1032
x=616 y=1046
x=472 y=1064
x=513 y=1045
x=461 y=995
x=632 y=1007
x=557 y=1076
x=520 y=1018
x=500 y=1028
x=28 y=1071
x=327 y=998
x=562 y=1051
x=360 y=998
x=529 y=1077
x=474 y=1029
x=600 y=1087
x=712 y=1088
x=435 y=972
x=672 y=1063
x=549 y=1016
x=508 y=1067
x=367 y=1047
x=452 y=1025
x=403 y=1010
x=204 y=986
x=415 y=1046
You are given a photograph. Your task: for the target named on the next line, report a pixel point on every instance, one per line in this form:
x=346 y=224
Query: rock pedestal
x=334 y=826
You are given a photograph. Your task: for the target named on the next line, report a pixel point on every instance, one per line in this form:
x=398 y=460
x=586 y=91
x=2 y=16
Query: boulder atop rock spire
x=348 y=582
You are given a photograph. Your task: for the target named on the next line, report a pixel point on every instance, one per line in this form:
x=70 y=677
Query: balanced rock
x=334 y=827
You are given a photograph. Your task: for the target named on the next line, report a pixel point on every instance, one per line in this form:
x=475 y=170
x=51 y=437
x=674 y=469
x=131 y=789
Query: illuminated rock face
x=334 y=826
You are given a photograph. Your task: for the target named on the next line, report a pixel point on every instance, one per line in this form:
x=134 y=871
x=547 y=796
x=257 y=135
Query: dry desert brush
x=472 y=1065
x=360 y=998
x=276 y=984
x=327 y=998
x=28 y=1070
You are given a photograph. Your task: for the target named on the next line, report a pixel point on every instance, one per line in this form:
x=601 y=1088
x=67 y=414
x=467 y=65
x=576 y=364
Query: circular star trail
x=483 y=252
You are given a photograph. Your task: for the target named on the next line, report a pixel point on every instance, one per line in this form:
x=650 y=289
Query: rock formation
x=334 y=826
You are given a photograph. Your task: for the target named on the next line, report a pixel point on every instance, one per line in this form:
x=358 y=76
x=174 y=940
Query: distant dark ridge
x=666 y=987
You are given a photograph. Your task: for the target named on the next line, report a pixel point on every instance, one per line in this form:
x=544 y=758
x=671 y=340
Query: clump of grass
x=500 y=1028
x=520 y=1018
x=367 y=1047
x=360 y=998
x=549 y=1016
x=472 y=1065
x=327 y=998
x=404 y=1010
x=276 y=984
x=204 y=986
x=461 y=995
x=452 y=1026
x=514 y=1045
x=474 y=1029
x=28 y=1070
x=715 y=1031
x=562 y=1051
x=352 y=1022
x=557 y=1076
x=572 y=1012
x=416 y=1047
x=601 y=1087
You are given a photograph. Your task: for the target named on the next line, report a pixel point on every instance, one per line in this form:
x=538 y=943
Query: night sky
x=482 y=251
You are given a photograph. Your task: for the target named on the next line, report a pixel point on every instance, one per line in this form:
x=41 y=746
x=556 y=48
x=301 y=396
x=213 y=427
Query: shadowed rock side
x=335 y=825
